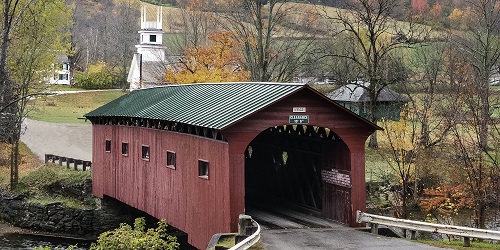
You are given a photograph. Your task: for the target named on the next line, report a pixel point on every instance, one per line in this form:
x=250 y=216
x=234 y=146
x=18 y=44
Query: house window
x=63 y=77
x=145 y=152
x=65 y=66
x=203 y=169
x=171 y=159
x=152 y=38
x=125 y=148
x=108 y=146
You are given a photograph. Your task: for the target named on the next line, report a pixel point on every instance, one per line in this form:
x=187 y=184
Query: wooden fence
x=85 y=165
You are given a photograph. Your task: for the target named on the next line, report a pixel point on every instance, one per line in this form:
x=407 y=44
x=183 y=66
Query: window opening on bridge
x=145 y=152
x=203 y=169
x=108 y=146
x=171 y=159
x=125 y=148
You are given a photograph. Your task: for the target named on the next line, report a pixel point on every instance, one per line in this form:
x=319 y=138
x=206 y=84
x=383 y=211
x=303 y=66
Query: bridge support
x=466 y=241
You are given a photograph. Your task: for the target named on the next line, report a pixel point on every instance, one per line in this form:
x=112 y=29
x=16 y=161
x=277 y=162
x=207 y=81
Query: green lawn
x=67 y=108
x=59 y=87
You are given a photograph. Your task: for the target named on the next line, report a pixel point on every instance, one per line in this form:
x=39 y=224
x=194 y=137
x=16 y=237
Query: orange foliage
x=217 y=62
x=447 y=199
x=436 y=10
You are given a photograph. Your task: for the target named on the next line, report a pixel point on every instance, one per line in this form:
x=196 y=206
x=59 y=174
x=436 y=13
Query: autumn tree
x=370 y=38
x=276 y=36
x=472 y=63
x=34 y=44
x=216 y=62
x=405 y=145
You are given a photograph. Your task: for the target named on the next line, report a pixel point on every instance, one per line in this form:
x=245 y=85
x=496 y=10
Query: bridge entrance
x=288 y=167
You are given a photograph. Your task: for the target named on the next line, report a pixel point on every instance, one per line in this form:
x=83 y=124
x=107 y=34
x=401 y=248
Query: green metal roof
x=211 y=105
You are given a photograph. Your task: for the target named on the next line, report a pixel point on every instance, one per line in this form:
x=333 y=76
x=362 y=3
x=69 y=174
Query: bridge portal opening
x=286 y=167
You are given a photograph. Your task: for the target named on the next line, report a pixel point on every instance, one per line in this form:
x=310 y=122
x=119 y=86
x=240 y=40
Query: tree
x=473 y=61
x=197 y=24
x=122 y=25
x=428 y=61
x=404 y=148
x=126 y=237
x=217 y=62
x=276 y=36
x=372 y=38
x=34 y=42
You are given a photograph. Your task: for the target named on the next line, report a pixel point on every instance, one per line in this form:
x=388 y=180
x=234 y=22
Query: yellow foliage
x=217 y=62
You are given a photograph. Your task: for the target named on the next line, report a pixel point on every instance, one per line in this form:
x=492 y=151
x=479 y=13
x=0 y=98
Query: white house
x=60 y=73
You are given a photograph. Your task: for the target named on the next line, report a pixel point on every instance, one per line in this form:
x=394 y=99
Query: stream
x=17 y=238
x=29 y=241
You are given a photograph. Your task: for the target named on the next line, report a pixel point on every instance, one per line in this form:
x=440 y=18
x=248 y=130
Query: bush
x=99 y=76
x=125 y=237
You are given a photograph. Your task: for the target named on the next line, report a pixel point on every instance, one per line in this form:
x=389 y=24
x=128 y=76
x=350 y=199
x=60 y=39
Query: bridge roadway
x=288 y=230
x=293 y=230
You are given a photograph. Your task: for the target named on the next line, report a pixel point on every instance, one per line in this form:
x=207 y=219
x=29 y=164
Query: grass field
x=68 y=108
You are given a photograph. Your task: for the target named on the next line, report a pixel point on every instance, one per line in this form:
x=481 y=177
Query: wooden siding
x=197 y=206
x=322 y=113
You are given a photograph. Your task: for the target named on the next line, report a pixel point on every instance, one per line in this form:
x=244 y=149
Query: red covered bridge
x=196 y=155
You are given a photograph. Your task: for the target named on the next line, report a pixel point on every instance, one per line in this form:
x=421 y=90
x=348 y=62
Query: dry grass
x=28 y=163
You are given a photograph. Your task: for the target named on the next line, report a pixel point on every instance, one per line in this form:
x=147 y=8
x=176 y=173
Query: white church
x=149 y=64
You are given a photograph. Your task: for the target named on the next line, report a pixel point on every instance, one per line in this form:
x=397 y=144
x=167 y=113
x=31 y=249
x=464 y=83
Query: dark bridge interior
x=283 y=168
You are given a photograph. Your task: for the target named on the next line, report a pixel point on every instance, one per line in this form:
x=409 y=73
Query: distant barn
x=198 y=155
x=356 y=98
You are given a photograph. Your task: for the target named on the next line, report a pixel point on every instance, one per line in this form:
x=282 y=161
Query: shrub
x=125 y=237
x=99 y=76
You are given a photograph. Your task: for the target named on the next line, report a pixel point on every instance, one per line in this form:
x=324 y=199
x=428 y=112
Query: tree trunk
x=14 y=165
x=373 y=143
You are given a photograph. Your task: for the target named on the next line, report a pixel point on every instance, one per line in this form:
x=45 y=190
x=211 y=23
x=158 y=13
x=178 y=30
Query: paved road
x=69 y=140
x=293 y=230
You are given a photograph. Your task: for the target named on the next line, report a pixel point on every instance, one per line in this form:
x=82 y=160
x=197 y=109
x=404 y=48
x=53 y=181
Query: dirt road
x=69 y=140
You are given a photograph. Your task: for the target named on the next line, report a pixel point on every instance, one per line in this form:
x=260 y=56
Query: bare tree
x=472 y=63
x=370 y=38
x=481 y=44
x=277 y=36
x=123 y=24
x=428 y=81
x=197 y=23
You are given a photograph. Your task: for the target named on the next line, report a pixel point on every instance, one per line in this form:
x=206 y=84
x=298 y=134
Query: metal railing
x=85 y=165
x=466 y=232
x=250 y=240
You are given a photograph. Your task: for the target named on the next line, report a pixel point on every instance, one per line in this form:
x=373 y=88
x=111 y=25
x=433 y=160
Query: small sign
x=336 y=178
x=299 y=119
x=299 y=109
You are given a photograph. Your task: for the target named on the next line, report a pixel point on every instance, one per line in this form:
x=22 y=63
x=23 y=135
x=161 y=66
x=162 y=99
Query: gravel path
x=69 y=140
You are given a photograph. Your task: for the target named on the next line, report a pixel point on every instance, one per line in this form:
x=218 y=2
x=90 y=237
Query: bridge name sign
x=299 y=119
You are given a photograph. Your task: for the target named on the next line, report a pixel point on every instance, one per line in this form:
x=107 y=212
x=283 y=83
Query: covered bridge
x=196 y=155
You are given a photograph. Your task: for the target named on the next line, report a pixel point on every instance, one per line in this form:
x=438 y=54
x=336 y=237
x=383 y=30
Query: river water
x=17 y=238
x=28 y=241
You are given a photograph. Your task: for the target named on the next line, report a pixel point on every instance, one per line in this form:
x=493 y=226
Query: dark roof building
x=356 y=97
x=199 y=155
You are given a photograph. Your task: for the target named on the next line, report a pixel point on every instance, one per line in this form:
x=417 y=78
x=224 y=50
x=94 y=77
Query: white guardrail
x=466 y=232
x=248 y=241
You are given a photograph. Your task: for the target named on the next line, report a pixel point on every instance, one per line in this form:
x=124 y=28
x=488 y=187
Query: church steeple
x=150 y=52
x=151 y=35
